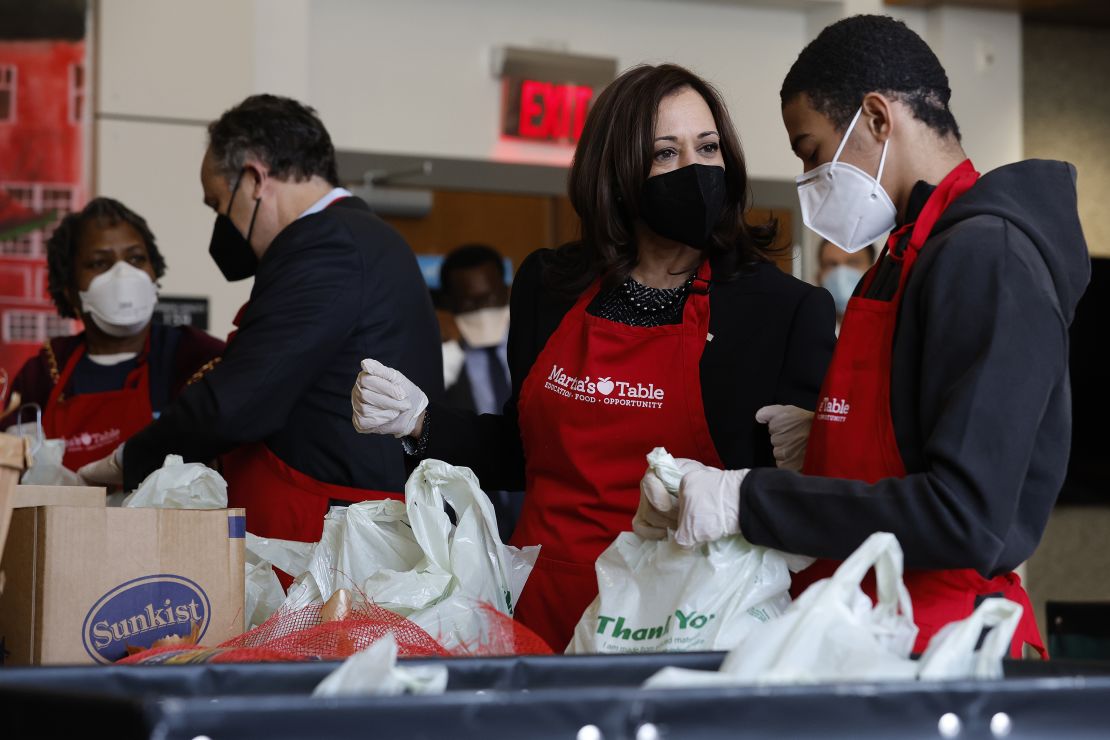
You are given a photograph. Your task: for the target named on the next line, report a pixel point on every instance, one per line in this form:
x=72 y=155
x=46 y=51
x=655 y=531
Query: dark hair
x=61 y=249
x=466 y=257
x=288 y=136
x=611 y=164
x=871 y=53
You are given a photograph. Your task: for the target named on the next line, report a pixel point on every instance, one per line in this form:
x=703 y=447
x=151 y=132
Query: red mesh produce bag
x=301 y=635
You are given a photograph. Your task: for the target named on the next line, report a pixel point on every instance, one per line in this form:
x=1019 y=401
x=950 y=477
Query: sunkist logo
x=604 y=390
x=833 y=409
x=141 y=611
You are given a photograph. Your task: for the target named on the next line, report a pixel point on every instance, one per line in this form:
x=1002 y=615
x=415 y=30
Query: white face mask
x=844 y=204
x=841 y=281
x=121 y=300
x=486 y=327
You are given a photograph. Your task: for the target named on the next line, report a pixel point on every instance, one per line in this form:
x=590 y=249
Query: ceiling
x=1084 y=12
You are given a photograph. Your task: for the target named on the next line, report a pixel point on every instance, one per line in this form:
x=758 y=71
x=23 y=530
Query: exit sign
x=547 y=95
x=546 y=111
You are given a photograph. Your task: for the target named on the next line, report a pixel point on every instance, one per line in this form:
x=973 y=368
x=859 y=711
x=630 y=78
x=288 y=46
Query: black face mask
x=684 y=204
x=231 y=250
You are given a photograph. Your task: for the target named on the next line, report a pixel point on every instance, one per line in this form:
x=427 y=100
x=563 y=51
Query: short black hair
x=285 y=134
x=61 y=249
x=467 y=257
x=871 y=53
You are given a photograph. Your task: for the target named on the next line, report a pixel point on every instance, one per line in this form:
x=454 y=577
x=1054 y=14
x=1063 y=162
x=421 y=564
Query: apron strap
x=136 y=378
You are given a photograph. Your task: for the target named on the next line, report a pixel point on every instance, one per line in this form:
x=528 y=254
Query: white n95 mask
x=121 y=300
x=486 y=327
x=844 y=204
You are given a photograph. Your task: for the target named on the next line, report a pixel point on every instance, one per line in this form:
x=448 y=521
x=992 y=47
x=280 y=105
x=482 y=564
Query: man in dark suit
x=333 y=284
x=474 y=291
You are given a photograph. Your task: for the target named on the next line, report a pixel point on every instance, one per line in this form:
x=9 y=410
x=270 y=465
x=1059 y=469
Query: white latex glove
x=659 y=507
x=789 y=427
x=385 y=402
x=708 y=503
x=107 y=471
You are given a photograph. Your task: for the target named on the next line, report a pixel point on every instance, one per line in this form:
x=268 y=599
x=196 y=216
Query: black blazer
x=333 y=288
x=773 y=337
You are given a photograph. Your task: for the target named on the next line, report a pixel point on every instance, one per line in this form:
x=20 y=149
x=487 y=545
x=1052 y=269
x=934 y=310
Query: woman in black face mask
x=665 y=325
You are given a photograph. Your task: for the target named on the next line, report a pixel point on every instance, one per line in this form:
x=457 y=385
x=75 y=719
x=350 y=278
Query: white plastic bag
x=263 y=593
x=465 y=559
x=373 y=671
x=410 y=559
x=656 y=596
x=832 y=632
x=951 y=653
x=47 y=468
x=180 y=485
x=466 y=626
x=357 y=541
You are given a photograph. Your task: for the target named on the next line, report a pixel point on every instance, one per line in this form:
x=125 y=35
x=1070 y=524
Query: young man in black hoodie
x=945 y=417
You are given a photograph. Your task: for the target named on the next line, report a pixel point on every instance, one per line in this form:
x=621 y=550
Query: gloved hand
x=708 y=503
x=107 y=471
x=658 y=509
x=789 y=427
x=706 y=507
x=386 y=402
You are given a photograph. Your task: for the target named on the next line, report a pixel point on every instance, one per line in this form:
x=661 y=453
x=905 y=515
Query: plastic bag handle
x=882 y=553
x=437 y=490
x=1000 y=615
x=40 y=433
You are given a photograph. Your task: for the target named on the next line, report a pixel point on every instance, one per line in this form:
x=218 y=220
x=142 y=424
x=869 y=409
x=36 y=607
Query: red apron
x=853 y=433
x=95 y=424
x=599 y=397
x=281 y=502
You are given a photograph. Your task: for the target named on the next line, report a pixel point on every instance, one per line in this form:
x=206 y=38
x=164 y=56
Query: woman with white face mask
x=99 y=387
x=666 y=324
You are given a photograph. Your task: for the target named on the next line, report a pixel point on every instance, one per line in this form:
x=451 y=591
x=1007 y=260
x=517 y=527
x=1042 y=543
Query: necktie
x=498 y=381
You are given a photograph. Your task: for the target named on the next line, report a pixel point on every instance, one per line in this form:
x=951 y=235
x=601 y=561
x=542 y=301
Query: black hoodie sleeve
x=994 y=352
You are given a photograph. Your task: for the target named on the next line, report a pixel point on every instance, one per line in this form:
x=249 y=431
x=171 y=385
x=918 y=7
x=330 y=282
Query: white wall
x=426 y=87
x=170 y=60
x=415 y=78
x=981 y=51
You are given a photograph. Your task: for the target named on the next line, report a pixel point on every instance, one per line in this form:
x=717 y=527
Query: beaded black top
x=636 y=304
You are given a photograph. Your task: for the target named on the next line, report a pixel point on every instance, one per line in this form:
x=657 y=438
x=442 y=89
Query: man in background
x=840 y=272
x=476 y=370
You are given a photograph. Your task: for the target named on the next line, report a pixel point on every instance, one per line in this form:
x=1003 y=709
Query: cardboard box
x=86 y=582
x=24 y=496
x=15 y=457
